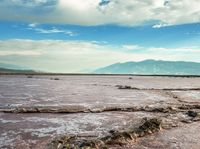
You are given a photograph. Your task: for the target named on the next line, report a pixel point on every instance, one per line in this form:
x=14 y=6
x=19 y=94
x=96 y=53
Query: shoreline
x=91 y=74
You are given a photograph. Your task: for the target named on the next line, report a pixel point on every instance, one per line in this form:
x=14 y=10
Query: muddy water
x=35 y=111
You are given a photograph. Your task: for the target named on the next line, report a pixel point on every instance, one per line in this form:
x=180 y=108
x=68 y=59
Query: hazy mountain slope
x=153 y=67
x=4 y=70
x=10 y=68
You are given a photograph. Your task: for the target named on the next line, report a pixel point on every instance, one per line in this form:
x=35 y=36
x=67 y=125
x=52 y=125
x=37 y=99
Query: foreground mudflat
x=36 y=111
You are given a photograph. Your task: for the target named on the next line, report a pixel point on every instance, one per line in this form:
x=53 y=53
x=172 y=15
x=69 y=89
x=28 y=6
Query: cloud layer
x=159 y=13
x=78 y=56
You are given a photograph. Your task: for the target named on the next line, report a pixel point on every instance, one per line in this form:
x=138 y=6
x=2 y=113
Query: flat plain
x=39 y=111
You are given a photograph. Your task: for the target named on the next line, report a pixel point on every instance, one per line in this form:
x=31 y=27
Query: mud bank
x=116 y=137
x=166 y=108
x=154 y=89
x=126 y=137
x=114 y=112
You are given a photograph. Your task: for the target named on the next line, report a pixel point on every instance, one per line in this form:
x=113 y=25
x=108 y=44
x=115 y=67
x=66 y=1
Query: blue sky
x=78 y=36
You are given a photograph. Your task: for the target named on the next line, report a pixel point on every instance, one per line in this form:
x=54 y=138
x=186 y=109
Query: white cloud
x=20 y=53
x=28 y=3
x=175 y=50
x=53 y=30
x=131 y=47
x=92 y=12
x=74 y=56
x=193 y=33
x=160 y=25
x=33 y=25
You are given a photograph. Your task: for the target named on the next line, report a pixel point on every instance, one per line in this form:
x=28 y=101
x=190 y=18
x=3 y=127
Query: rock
x=54 y=79
x=150 y=126
x=192 y=113
x=29 y=76
x=125 y=87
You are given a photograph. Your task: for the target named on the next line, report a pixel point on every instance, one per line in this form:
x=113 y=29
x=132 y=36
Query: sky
x=83 y=35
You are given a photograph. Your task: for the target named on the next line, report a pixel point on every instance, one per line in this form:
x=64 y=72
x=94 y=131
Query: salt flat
x=36 y=110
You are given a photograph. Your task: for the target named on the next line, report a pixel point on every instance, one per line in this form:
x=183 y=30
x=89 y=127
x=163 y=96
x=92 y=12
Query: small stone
x=54 y=79
x=192 y=113
x=59 y=146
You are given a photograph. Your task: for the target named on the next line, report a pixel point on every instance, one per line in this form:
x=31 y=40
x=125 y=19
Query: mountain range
x=10 y=68
x=152 y=67
x=146 y=67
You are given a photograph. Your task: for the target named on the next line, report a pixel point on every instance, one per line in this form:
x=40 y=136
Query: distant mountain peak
x=149 y=60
